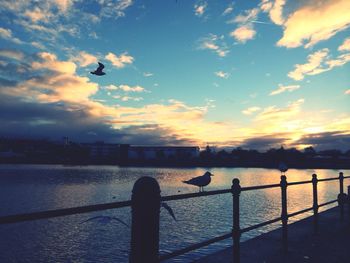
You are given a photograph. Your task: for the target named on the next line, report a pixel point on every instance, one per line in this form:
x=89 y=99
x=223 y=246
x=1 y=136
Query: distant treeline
x=71 y=153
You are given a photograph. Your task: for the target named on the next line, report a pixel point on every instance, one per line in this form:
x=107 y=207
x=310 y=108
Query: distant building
x=100 y=149
x=162 y=152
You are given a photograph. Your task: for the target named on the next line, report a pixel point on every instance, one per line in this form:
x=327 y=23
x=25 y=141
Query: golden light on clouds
x=314 y=23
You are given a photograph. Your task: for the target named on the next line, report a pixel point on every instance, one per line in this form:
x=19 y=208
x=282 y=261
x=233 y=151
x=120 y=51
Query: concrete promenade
x=330 y=245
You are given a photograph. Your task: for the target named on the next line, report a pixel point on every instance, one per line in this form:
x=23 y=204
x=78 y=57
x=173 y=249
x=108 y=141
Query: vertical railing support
x=315 y=202
x=236 y=231
x=341 y=198
x=349 y=203
x=284 y=214
x=145 y=206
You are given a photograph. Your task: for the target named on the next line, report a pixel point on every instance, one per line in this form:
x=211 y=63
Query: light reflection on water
x=26 y=188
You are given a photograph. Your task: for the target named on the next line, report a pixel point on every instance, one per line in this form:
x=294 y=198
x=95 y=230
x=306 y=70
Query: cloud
x=265 y=142
x=282 y=89
x=37 y=15
x=313 y=23
x=313 y=64
x=37 y=45
x=85 y=59
x=222 y=74
x=247 y=17
x=119 y=61
x=251 y=110
x=127 y=98
x=7 y=34
x=243 y=33
x=111 y=87
x=327 y=140
x=276 y=12
x=147 y=74
x=274 y=114
x=214 y=43
x=228 y=10
x=63 y=5
x=11 y=54
x=54 y=83
x=127 y=88
x=266 y=5
x=114 y=8
x=200 y=8
x=345 y=46
x=317 y=63
x=49 y=61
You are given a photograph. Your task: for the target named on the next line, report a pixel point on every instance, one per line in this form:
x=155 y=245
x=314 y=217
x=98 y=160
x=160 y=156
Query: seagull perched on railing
x=200 y=181
x=283 y=168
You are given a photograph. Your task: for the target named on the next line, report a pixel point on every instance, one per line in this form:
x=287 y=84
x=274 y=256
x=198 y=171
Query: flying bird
x=200 y=181
x=283 y=168
x=169 y=209
x=99 y=71
x=105 y=220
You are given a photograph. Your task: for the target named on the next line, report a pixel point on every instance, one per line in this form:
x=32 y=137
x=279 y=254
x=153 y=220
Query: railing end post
x=145 y=209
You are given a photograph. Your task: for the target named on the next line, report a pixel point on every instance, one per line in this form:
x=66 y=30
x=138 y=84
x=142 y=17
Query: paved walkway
x=331 y=245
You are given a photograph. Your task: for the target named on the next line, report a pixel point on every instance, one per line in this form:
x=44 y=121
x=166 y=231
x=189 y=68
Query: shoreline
x=337 y=166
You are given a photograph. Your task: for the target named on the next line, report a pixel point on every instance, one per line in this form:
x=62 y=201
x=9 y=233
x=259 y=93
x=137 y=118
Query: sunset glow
x=256 y=74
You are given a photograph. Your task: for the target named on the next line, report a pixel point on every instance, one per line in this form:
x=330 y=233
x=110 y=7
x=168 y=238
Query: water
x=29 y=188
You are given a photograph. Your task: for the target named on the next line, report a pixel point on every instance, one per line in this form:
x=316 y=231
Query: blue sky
x=256 y=74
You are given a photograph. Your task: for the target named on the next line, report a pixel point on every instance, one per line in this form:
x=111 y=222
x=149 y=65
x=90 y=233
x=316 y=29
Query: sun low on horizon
x=255 y=74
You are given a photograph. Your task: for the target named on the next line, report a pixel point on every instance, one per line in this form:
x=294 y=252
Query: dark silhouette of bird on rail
x=200 y=181
x=99 y=71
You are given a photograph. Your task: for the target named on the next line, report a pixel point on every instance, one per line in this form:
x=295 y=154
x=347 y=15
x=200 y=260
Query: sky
x=256 y=74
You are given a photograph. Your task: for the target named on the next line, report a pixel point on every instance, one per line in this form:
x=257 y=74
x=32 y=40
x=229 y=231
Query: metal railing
x=146 y=201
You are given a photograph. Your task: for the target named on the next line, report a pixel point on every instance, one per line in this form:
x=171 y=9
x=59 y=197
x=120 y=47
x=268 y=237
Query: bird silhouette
x=169 y=209
x=99 y=71
x=105 y=220
x=283 y=168
x=200 y=181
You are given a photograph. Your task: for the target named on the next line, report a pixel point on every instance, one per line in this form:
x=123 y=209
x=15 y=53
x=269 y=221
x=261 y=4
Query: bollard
x=236 y=231
x=284 y=213
x=145 y=206
x=315 y=202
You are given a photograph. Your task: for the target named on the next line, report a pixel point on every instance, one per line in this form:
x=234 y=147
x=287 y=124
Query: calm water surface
x=29 y=188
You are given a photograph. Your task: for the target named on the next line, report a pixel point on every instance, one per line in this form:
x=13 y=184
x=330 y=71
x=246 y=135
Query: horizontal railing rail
x=235 y=233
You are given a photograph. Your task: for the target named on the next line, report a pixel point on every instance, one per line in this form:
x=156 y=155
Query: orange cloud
x=243 y=33
x=48 y=61
x=251 y=110
x=345 y=46
x=311 y=24
x=119 y=61
x=318 y=62
x=282 y=89
x=85 y=59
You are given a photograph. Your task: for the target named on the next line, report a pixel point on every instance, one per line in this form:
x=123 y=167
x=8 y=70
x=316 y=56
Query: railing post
x=349 y=202
x=284 y=214
x=315 y=202
x=341 y=195
x=236 y=231
x=145 y=208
